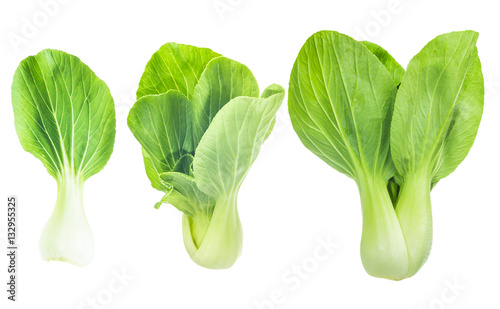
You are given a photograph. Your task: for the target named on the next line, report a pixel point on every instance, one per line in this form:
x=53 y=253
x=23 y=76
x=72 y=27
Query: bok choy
x=395 y=133
x=201 y=123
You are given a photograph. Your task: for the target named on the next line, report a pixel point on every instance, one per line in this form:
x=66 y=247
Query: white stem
x=222 y=243
x=67 y=236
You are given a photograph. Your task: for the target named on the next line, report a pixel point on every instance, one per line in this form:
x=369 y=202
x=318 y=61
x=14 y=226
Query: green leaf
x=215 y=114
x=269 y=91
x=152 y=172
x=187 y=197
x=64 y=114
x=183 y=165
x=158 y=122
x=393 y=67
x=340 y=104
x=232 y=143
x=438 y=107
x=174 y=67
x=223 y=80
x=465 y=123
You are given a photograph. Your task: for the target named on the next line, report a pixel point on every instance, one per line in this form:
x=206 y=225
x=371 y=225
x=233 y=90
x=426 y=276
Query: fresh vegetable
x=64 y=116
x=201 y=123
x=395 y=133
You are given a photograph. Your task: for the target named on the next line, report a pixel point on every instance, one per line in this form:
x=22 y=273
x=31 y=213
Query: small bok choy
x=395 y=133
x=201 y=123
x=64 y=116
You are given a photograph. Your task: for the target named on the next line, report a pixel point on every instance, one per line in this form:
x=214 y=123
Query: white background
x=289 y=200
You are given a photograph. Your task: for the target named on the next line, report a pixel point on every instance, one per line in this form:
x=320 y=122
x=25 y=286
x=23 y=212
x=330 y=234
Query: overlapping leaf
x=438 y=107
x=232 y=143
x=393 y=67
x=174 y=67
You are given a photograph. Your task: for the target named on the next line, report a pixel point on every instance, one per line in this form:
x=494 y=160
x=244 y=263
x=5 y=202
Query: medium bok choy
x=64 y=116
x=201 y=123
x=395 y=133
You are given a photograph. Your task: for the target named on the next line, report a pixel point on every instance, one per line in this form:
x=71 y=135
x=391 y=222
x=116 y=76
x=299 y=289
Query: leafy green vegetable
x=341 y=102
x=201 y=124
x=64 y=116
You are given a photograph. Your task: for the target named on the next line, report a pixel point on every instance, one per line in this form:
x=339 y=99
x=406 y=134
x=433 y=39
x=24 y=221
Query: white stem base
x=67 y=236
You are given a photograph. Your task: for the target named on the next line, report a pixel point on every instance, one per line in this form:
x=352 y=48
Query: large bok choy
x=395 y=133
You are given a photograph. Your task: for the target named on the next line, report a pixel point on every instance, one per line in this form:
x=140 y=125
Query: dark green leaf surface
x=161 y=125
x=185 y=195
